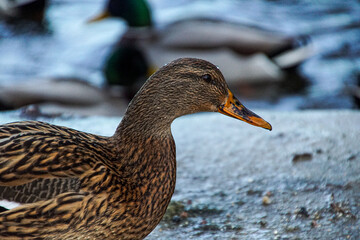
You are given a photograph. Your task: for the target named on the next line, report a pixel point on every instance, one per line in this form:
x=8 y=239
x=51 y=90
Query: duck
x=254 y=70
x=245 y=54
x=63 y=95
x=200 y=32
x=77 y=185
x=125 y=71
x=33 y=10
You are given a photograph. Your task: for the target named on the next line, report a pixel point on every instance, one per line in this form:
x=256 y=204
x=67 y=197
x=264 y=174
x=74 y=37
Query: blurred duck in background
x=244 y=54
x=13 y=10
x=53 y=96
x=354 y=90
x=124 y=70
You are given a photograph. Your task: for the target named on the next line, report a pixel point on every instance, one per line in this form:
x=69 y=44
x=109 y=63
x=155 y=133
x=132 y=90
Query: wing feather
x=39 y=161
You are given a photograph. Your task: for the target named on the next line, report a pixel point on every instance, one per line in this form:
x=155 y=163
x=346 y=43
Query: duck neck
x=149 y=115
x=143 y=124
x=145 y=132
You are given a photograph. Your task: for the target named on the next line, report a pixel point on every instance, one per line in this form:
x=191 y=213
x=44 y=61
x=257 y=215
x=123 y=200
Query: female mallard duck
x=23 y=9
x=245 y=54
x=83 y=186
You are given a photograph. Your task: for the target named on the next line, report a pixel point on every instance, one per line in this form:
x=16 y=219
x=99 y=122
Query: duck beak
x=99 y=17
x=235 y=109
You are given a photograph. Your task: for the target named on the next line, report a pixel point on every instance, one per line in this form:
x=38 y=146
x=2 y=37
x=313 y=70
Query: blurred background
x=51 y=56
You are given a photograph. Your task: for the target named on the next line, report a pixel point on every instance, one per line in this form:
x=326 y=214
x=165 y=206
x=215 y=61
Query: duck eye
x=207 y=78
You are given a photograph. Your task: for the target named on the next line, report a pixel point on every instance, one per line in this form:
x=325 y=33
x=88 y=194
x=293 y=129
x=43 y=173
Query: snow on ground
x=310 y=161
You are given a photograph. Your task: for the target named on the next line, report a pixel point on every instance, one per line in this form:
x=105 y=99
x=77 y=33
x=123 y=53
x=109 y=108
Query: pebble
x=303 y=212
x=266 y=200
x=301 y=157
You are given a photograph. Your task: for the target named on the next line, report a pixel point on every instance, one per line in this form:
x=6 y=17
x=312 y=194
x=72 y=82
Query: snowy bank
x=302 y=179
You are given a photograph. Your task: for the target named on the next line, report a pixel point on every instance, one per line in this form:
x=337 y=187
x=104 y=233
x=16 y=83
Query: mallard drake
x=196 y=33
x=78 y=185
x=246 y=55
x=238 y=70
x=23 y=9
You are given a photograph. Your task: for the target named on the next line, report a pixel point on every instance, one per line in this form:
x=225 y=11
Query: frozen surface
x=235 y=181
x=68 y=47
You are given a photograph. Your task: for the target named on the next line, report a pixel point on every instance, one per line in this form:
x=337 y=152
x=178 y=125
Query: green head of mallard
x=125 y=66
x=136 y=13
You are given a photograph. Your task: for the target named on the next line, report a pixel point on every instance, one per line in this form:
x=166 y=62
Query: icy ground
x=236 y=181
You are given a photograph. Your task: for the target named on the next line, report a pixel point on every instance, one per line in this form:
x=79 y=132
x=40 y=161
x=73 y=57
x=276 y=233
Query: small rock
x=263 y=223
x=314 y=224
x=319 y=151
x=303 y=212
x=176 y=219
x=280 y=135
x=351 y=157
x=240 y=202
x=266 y=200
x=203 y=222
x=291 y=228
x=317 y=215
x=252 y=192
x=184 y=215
x=230 y=227
x=301 y=157
x=208 y=227
x=268 y=193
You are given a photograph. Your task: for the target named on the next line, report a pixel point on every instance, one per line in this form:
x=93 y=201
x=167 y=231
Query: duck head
x=125 y=66
x=187 y=86
x=136 y=13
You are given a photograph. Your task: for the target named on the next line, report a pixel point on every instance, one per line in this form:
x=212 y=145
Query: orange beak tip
x=259 y=122
x=233 y=108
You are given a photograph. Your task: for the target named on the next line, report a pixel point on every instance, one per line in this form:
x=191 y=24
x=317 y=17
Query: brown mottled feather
x=77 y=204
x=39 y=189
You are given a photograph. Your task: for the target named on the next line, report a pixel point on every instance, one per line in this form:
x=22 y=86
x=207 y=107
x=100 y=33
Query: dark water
x=68 y=47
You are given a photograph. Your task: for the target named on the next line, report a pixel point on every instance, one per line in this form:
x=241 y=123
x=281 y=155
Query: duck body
x=118 y=196
x=63 y=95
x=114 y=187
x=207 y=33
x=33 y=10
